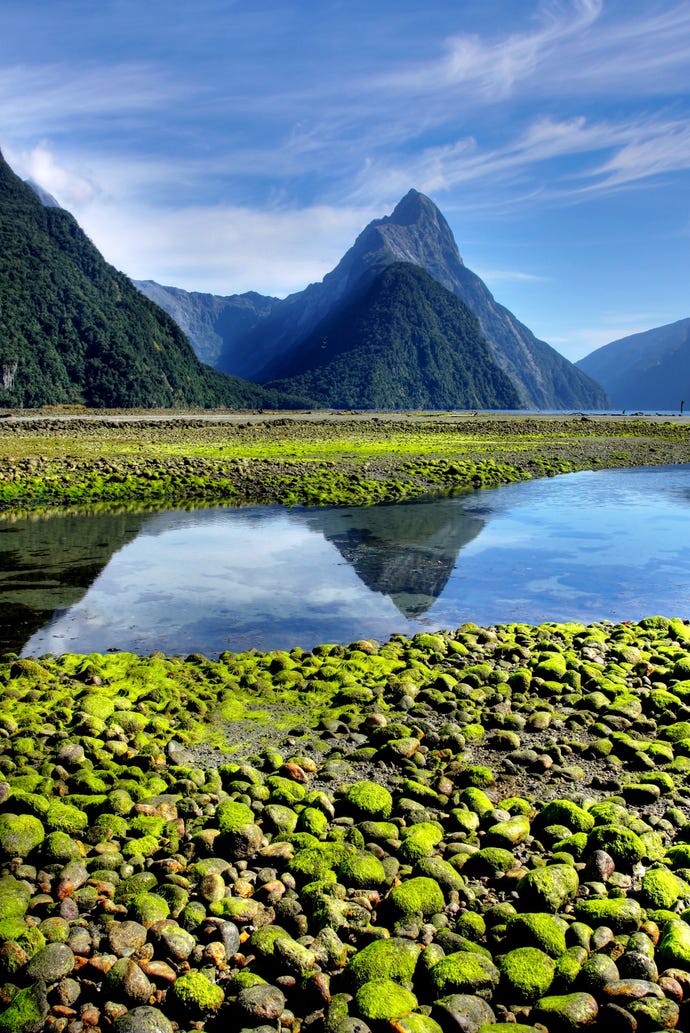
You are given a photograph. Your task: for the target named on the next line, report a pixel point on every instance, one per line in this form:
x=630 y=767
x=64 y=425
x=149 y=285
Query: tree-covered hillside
x=404 y=343
x=75 y=330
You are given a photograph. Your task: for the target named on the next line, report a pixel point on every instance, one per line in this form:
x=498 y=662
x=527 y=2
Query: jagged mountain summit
x=649 y=370
x=415 y=233
x=75 y=330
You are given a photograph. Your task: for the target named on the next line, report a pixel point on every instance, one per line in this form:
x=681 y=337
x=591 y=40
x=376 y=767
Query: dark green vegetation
x=404 y=343
x=336 y=458
x=650 y=370
x=482 y=830
x=73 y=329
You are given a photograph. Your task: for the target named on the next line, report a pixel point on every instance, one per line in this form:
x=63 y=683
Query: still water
x=585 y=546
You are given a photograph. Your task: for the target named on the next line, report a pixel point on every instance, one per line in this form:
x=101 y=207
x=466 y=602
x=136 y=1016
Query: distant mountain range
x=274 y=349
x=649 y=370
x=75 y=330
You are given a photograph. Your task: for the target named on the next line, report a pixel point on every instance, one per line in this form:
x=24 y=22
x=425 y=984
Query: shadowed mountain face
x=404 y=342
x=405 y=551
x=48 y=564
x=415 y=233
x=211 y=323
x=650 y=370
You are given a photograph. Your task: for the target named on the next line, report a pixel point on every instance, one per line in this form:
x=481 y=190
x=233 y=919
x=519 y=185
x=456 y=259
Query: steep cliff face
x=416 y=233
x=211 y=322
x=650 y=370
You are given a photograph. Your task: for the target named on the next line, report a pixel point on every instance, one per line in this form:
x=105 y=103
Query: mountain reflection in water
x=583 y=547
x=69 y=582
x=405 y=552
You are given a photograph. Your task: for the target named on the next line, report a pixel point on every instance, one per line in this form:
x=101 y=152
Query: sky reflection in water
x=587 y=546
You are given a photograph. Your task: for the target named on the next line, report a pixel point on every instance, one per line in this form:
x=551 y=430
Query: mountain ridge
x=402 y=342
x=646 y=370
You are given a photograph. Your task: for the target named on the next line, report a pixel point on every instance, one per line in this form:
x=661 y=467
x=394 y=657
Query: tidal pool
x=580 y=547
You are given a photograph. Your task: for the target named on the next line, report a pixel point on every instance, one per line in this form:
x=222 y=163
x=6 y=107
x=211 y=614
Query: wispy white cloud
x=222 y=249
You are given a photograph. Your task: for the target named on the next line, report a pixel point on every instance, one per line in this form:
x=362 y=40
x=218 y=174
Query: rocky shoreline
x=479 y=830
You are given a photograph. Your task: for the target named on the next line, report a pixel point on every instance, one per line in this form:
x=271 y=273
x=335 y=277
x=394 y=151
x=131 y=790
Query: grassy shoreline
x=307 y=458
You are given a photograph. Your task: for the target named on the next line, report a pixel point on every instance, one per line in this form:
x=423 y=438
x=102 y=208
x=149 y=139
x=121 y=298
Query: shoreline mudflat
x=172 y=458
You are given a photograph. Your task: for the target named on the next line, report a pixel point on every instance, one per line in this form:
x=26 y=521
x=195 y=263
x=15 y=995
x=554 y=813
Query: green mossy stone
x=419 y=895
x=64 y=817
x=379 y=831
x=548 y=888
x=59 y=848
x=662 y=889
x=419 y=840
x=382 y=1000
x=14 y=898
x=20 y=834
x=285 y=790
x=361 y=869
x=625 y=847
x=490 y=860
x=476 y=800
x=442 y=872
x=564 y=812
x=551 y=667
x=27 y=1012
x=370 y=800
x=149 y=908
x=508 y=833
x=507 y=1027
x=233 y=816
x=281 y=818
x=470 y=924
x=416 y=1022
x=568 y=967
x=533 y=929
x=318 y=861
x=196 y=995
x=622 y=914
x=313 y=820
x=464 y=973
x=395 y=958
x=143 y=846
x=673 y=950
x=566 y=1013
x=527 y=973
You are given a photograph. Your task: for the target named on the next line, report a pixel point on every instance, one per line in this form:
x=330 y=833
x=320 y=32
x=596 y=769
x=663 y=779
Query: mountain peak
x=412 y=207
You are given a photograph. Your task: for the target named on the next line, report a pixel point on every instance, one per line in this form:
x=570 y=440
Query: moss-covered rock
x=196 y=995
x=548 y=888
x=382 y=1000
x=527 y=973
x=370 y=800
x=419 y=895
x=395 y=958
x=465 y=973
x=20 y=834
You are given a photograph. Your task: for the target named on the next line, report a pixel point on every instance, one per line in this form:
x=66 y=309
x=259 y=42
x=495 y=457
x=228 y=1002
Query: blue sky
x=233 y=145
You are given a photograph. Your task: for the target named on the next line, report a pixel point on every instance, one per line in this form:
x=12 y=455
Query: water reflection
x=587 y=546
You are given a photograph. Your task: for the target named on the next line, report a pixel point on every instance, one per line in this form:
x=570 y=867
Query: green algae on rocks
x=225 y=848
